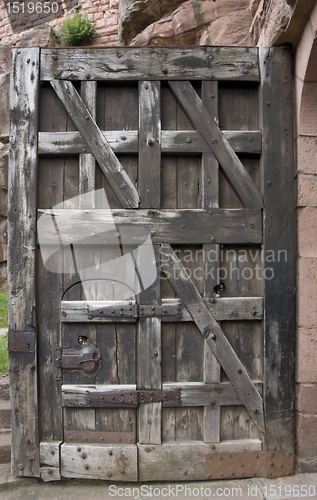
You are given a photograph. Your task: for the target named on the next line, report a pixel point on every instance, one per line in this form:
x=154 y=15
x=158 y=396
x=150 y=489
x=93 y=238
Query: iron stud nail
x=188 y=140
x=78 y=449
x=213 y=336
x=86 y=467
x=112 y=397
x=52 y=452
x=121 y=400
x=150 y=142
x=165 y=70
x=122 y=186
x=83 y=456
x=55 y=57
x=87 y=117
x=123 y=137
x=239 y=371
x=101 y=311
x=155 y=354
x=165 y=395
x=212 y=239
x=88 y=76
x=121 y=314
x=112 y=310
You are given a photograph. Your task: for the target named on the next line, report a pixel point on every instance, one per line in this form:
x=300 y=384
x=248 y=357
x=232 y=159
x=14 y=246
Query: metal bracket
x=21 y=341
x=131 y=398
x=134 y=311
x=87 y=359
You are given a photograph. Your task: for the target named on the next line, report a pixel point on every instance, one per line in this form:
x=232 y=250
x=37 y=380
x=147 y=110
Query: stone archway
x=306 y=368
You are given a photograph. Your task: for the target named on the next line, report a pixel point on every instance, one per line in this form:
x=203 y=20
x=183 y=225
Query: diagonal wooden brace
x=97 y=143
x=213 y=334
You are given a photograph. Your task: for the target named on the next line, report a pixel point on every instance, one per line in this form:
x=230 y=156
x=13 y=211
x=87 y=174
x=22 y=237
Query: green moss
x=3 y=310
x=4 y=355
x=78 y=30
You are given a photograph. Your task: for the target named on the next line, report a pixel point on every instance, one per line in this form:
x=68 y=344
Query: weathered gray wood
x=212 y=368
x=214 y=337
x=192 y=394
x=22 y=191
x=99 y=146
x=279 y=234
x=117 y=462
x=210 y=165
x=173 y=226
x=126 y=141
x=149 y=177
x=224 y=309
x=149 y=357
x=50 y=474
x=87 y=163
x=199 y=63
x=173 y=462
x=220 y=147
x=49 y=453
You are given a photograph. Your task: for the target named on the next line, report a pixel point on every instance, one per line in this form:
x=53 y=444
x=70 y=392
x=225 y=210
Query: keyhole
x=219 y=289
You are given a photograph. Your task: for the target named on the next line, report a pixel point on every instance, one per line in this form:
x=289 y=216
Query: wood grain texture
x=116 y=462
x=219 y=146
x=99 y=146
x=210 y=165
x=126 y=141
x=24 y=92
x=87 y=163
x=121 y=63
x=173 y=462
x=149 y=177
x=172 y=226
x=279 y=234
x=215 y=337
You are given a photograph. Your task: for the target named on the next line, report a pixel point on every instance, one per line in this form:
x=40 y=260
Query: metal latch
x=131 y=398
x=21 y=341
x=134 y=311
x=87 y=359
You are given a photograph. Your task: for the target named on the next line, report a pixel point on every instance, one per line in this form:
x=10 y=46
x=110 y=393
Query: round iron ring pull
x=90 y=360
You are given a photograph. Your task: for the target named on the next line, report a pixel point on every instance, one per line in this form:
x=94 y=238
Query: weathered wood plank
x=49 y=453
x=220 y=147
x=224 y=309
x=149 y=357
x=212 y=368
x=122 y=63
x=50 y=474
x=174 y=461
x=192 y=394
x=116 y=462
x=149 y=178
x=172 y=226
x=214 y=336
x=99 y=146
x=210 y=165
x=279 y=234
x=126 y=141
x=87 y=163
x=24 y=92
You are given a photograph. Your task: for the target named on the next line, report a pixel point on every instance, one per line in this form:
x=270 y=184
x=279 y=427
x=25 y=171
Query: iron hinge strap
x=132 y=398
x=134 y=311
x=21 y=341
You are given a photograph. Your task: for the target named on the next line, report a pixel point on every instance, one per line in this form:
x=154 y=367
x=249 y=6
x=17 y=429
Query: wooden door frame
x=270 y=67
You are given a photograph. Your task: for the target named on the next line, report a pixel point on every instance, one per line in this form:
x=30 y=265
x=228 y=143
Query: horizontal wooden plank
x=176 y=461
x=99 y=437
x=127 y=63
x=224 y=309
x=170 y=226
x=126 y=141
x=192 y=394
x=115 y=462
x=49 y=453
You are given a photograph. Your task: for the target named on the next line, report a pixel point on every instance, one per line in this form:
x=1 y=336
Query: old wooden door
x=189 y=152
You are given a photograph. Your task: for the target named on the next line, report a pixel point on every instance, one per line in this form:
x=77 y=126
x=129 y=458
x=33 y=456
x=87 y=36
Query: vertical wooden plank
x=150 y=144
x=210 y=165
x=87 y=163
x=149 y=365
x=24 y=92
x=212 y=368
x=279 y=234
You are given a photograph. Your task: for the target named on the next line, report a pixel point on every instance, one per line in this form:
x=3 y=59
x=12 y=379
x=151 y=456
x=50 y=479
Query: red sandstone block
x=306 y=190
x=306 y=348
x=306 y=292
x=306 y=233
x=98 y=15
x=306 y=427
x=307 y=154
x=306 y=398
